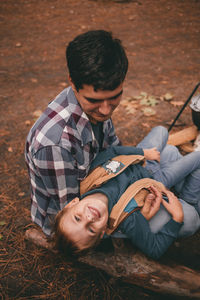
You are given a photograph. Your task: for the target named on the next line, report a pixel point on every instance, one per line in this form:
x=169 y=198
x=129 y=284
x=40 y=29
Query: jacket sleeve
x=53 y=182
x=154 y=245
x=113 y=151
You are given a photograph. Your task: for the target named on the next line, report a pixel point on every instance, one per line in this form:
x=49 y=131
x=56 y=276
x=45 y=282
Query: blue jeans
x=180 y=172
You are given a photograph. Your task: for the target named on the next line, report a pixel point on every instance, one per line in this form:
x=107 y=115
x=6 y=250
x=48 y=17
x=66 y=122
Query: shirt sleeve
x=54 y=184
x=154 y=245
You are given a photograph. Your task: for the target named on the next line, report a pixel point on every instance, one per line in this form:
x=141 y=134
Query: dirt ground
x=162 y=40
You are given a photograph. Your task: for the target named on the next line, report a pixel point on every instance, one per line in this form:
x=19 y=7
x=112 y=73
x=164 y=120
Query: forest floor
x=162 y=40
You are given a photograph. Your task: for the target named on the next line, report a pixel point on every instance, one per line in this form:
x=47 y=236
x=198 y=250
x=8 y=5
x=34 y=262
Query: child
x=159 y=222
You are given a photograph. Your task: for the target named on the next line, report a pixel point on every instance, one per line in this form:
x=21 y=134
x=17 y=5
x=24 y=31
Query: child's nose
x=90 y=217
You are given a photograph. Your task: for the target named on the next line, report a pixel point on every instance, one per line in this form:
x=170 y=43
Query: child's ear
x=73 y=202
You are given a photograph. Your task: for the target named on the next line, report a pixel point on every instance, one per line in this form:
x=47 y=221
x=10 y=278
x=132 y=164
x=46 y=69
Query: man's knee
x=161 y=132
x=157 y=137
x=191 y=221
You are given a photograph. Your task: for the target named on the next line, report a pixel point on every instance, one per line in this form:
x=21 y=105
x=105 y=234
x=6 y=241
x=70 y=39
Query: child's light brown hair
x=63 y=243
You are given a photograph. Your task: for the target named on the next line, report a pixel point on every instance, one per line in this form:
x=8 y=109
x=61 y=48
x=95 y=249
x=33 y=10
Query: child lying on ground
x=163 y=217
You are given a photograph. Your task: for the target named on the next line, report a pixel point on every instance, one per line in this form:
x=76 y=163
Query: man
x=76 y=126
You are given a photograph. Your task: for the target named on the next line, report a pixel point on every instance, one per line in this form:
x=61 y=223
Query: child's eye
x=77 y=218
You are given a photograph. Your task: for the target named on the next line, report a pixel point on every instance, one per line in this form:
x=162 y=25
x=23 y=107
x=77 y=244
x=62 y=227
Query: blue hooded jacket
x=135 y=226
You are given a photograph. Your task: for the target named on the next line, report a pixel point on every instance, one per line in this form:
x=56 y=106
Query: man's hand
x=152 y=203
x=152 y=154
x=174 y=207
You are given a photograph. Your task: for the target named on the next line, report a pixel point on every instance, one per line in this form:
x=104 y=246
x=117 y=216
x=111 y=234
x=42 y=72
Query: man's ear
x=71 y=83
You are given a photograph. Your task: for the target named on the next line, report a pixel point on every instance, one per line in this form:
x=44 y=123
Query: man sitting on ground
x=76 y=125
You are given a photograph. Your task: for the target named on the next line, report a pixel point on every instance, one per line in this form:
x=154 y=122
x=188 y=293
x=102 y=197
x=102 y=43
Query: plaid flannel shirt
x=59 y=150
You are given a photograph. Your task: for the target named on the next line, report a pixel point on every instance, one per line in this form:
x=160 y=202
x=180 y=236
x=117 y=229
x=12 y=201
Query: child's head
x=81 y=224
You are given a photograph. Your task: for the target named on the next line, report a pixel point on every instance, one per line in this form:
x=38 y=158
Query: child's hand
x=152 y=154
x=174 y=207
x=152 y=203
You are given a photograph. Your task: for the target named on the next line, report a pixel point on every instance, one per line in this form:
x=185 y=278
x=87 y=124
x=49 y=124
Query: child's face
x=85 y=220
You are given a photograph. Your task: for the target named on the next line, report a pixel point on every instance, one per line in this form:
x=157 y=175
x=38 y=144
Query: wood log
x=134 y=267
x=37 y=237
x=183 y=136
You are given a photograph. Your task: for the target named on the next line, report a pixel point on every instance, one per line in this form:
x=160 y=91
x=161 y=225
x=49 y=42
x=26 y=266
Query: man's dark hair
x=96 y=58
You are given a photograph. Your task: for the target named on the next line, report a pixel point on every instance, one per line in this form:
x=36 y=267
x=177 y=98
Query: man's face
x=85 y=220
x=98 y=105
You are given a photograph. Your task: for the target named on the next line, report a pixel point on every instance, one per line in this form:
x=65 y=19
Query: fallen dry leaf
x=146 y=125
x=2 y=223
x=150 y=101
x=37 y=113
x=64 y=84
x=10 y=149
x=168 y=97
x=28 y=122
x=4 y=132
x=35 y=80
x=148 y=111
x=131 y=18
x=124 y=103
x=21 y=194
x=130 y=110
x=177 y=103
x=146 y=99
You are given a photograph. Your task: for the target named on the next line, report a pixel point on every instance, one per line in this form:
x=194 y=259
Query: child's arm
x=136 y=226
x=112 y=151
x=154 y=245
x=173 y=206
x=152 y=203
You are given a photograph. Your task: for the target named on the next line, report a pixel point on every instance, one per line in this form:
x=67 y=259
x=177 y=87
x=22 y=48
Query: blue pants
x=180 y=172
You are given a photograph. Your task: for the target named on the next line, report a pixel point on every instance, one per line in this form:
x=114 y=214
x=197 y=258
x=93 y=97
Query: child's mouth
x=94 y=212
